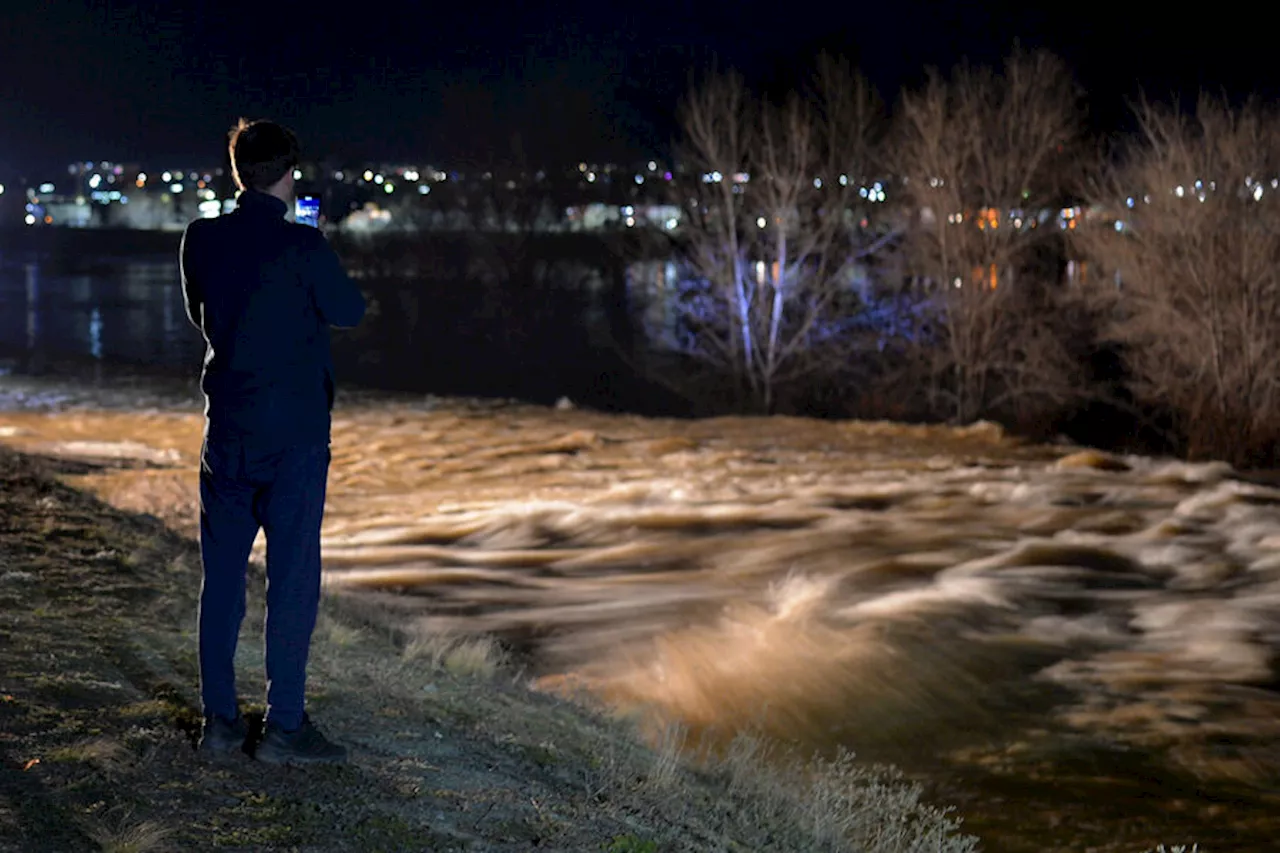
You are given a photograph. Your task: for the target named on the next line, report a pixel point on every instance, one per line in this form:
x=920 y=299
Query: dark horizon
x=132 y=81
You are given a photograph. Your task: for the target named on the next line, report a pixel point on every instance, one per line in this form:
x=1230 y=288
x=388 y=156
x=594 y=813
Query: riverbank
x=451 y=751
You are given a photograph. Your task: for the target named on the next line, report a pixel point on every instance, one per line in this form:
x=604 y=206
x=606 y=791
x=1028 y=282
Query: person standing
x=263 y=292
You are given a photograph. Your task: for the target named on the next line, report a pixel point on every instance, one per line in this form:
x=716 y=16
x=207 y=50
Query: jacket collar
x=260 y=202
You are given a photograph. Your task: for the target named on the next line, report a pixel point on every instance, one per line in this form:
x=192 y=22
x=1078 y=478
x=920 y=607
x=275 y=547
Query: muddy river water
x=1079 y=651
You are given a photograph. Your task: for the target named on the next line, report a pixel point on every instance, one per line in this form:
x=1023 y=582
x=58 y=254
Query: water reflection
x=33 y=306
x=122 y=310
x=95 y=334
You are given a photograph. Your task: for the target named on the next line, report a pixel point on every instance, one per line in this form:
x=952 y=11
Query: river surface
x=1079 y=651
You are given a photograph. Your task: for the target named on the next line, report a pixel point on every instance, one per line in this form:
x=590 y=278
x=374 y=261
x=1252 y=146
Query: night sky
x=455 y=82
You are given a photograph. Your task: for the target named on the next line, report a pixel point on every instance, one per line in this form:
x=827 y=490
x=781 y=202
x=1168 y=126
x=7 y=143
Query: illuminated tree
x=775 y=228
x=983 y=156
x=1191 y=275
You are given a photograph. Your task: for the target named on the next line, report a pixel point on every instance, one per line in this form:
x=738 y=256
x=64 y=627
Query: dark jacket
x=263 y=291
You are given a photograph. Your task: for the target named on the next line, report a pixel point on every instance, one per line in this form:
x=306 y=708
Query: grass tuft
x=336 y=632
x=479 y=657
x=130 y=838
x=107 y=754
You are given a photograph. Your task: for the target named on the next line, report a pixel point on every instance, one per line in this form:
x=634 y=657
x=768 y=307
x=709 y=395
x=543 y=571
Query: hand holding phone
x=306 y=210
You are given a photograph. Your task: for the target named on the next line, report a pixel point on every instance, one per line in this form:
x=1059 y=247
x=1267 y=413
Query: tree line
x=849 y=256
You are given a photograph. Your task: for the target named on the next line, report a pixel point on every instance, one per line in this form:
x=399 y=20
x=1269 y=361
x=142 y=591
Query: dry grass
x=334 y=631
x=130 y=837
x=106 y=754
x=817 y=806
x=479 y=657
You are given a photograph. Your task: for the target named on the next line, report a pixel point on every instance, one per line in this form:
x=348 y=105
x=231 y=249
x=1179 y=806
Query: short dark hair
x=262 y=152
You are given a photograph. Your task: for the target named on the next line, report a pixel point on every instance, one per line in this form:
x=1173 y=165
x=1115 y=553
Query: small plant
x=631 y=844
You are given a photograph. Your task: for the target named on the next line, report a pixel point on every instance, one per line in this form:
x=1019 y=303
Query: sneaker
x=303 y=745
x=220 y=736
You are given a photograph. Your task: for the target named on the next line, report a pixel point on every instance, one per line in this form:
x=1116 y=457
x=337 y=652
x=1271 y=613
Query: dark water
x=434 y=327
x=121 y=310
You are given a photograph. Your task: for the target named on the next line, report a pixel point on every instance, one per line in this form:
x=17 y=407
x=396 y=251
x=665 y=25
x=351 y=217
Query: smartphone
x=306 y=210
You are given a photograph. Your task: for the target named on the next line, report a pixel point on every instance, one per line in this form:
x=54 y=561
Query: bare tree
x=1192 y=272
x=985 y=156
x=775 y=227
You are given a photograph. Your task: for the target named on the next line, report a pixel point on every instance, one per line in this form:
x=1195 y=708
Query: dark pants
x=282 y=490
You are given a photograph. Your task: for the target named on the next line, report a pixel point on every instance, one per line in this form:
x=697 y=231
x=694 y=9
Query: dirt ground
x=99 y=716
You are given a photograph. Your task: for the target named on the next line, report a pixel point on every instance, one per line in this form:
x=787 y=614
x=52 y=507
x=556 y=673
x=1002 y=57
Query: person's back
x=263 y=291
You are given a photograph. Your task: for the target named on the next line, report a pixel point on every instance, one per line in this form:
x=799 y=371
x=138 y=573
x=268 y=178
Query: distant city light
x=210 y=209
x=1 y=189
x=337 y=176
x=411 y=175
x=167 y=177
x=377 y=179
x=423 y=189
x=761 y=222
x=817 y=183
x=46 y=188
x=1179 y=191
x=672 y=223
x=1128 y=202
x=639 y=179
x=844 y=180
x=142 y=178
x=388 y=187
x=582 y=167
x=94 y=181
x=1257 y=193
x=176 y=188
x=591 y=177
x=368 y=175
x=631 y=221
x=1119 y=225
x=30 y=220
x=628 y=210
x=653 y=166
x=297 y=174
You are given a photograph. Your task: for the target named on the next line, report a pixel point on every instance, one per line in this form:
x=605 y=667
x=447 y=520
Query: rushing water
x=1080 y=651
